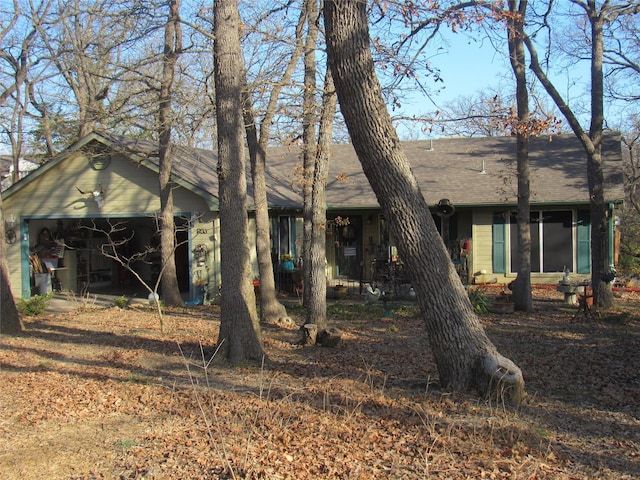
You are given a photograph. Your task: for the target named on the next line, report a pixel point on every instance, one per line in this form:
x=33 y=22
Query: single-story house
x=470 y=184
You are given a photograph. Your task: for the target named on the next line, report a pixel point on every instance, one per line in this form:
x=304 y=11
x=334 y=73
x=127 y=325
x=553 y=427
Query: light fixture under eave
x=445 y=208
x=10 y=230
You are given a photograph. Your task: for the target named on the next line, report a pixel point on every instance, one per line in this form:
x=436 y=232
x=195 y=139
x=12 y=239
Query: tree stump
x=331 y=337
x=309 y=334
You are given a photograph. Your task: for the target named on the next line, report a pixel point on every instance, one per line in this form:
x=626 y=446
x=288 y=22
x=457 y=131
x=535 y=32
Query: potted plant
x=286 y=263
x=503 y=303
x=340 y=291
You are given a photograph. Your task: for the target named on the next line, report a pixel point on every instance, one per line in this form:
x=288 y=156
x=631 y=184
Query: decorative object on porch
x=340 y=292
x=200 y=254
x=445 y=208
x=372 y=295
x=286 y=263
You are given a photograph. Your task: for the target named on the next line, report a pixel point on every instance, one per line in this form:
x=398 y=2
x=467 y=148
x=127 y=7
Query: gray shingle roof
x=445 y=168
x=451 y=168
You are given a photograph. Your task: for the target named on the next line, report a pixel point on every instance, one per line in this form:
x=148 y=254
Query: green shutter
x=499 y=243
x=583 y=234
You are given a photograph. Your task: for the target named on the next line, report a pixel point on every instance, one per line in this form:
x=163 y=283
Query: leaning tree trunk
x=464 y=355
x=271 y=309
x=239 y=338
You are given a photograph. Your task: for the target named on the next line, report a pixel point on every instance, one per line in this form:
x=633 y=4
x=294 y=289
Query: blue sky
x=468 y=67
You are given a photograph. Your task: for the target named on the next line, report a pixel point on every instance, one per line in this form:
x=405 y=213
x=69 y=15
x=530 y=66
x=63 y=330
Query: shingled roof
x=467 y=171
x=472 y=171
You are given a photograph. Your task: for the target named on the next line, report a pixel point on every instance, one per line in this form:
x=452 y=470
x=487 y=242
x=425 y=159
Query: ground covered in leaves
x=102 y=394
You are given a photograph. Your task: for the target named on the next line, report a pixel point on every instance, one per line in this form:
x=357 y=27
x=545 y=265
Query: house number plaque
x=201 y=231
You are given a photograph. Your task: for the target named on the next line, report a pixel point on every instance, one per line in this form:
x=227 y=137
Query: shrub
x=34 y=306
x=121 y=302
x=479 y=300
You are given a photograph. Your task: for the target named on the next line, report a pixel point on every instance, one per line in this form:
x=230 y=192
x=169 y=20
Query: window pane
x=535 y=241
x=284 y=235
x=557 y=241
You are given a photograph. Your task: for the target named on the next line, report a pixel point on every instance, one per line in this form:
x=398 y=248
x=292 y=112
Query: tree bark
x=271 y=310
x=317 y=279
x=464 y=354
x=172 y=48
x=309 y=141
x=239 y=338
x=521 y=286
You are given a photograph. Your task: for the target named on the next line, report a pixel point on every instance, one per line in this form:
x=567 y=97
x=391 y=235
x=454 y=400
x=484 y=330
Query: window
x=284 y=234
x=551 y=241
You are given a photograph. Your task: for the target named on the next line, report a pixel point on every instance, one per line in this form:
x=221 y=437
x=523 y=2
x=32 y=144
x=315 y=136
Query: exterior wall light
x=10 y=229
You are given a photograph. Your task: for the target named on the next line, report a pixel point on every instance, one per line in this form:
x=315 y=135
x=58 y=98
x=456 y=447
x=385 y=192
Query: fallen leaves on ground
x=103 y=394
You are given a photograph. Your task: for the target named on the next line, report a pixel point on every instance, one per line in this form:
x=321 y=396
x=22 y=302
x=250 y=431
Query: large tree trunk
x=271 y=310
x=172 y=47
x=317 y=280
x=309 y=119
x=521 y=287
x=600 y=240
x=464 y=355
x=239 y=337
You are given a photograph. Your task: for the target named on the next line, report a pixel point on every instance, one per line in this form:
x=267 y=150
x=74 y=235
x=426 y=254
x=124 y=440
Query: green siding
x=583 y=234
x=499 y=244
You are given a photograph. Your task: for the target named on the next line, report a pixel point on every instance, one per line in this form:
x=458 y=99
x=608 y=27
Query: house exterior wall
x=484 y=248
x=205 y=255
x=130 y=191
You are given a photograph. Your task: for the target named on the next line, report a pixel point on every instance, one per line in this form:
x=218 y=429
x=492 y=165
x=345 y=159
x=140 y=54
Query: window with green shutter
x=499 y=243
x=583 y=234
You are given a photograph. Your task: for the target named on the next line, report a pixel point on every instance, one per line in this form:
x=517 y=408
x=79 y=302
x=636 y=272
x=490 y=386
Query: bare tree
x=117 y=237
x=309 y=121
x=172 y=49
x=271 y=309
x=464 y=355
x=239 y=337
x=19 y=65
x=521 y=286
x=597 y=17
x=317 y=282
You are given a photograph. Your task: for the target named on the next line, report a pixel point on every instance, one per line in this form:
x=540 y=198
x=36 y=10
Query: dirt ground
x=102 y=394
